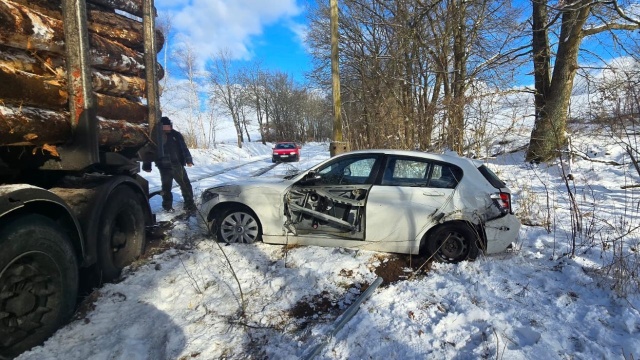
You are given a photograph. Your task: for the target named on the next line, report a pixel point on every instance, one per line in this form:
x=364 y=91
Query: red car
x=286 y=151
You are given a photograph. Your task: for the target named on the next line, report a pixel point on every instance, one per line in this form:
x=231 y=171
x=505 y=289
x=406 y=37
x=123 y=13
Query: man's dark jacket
x=175 y=151
x=176 y=146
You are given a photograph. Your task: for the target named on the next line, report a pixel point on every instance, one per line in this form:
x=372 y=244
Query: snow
x=201 y=299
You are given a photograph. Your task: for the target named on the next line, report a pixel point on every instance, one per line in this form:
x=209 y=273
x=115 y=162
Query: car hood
x=236 y=187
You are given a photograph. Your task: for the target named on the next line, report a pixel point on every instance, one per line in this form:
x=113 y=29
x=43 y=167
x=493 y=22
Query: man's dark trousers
x=167 y=175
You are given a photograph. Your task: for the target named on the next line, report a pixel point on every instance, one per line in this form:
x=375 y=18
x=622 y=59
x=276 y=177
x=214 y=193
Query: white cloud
x=212 y=25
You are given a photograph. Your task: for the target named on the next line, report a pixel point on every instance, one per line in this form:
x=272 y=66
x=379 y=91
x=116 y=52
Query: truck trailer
x=78 y=109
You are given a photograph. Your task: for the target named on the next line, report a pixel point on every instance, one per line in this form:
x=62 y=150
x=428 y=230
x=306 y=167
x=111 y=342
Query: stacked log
x=33 y=84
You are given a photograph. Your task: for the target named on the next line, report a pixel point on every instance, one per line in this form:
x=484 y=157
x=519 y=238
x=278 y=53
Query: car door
x=411 y=193
x=332 y=198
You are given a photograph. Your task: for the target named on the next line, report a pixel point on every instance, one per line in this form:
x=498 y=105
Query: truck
x=79 y=110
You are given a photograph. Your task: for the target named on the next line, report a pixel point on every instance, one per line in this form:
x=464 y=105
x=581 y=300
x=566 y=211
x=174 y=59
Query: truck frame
x=83 y=209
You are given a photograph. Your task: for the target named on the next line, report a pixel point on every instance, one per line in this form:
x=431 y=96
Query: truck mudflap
x=501 y=232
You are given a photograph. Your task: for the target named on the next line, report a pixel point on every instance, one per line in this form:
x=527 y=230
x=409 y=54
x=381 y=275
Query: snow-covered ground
x=200 y=299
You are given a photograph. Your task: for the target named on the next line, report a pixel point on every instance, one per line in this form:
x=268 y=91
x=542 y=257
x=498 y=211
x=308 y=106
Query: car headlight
x=292 y=153
x=208 y=195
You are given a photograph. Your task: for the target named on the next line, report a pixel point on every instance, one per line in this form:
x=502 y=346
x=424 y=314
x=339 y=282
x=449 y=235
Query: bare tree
x=226 y=89
x=254 y=80
x=186 y=62
x=576 y=20
x=407 y=66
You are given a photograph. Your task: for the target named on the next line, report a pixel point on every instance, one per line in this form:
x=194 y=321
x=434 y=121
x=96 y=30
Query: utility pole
x=338 y=146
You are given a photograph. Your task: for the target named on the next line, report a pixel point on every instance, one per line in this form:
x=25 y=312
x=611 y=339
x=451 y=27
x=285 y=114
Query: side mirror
x=312 y=175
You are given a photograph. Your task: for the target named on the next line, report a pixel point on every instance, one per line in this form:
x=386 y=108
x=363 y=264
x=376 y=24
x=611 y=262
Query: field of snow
x=193 y=298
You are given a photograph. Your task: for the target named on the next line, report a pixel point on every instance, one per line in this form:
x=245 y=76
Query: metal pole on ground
x=351 y=311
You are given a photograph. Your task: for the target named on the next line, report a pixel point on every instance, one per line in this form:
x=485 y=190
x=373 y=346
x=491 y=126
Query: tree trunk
x=33 y=126
x=552 y=97
x=17 y=24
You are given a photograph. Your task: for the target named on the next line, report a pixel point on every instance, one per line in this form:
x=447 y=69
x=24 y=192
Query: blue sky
x=271 y=32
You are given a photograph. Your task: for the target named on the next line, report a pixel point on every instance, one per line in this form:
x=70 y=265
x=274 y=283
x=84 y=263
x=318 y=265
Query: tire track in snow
x=153 y=191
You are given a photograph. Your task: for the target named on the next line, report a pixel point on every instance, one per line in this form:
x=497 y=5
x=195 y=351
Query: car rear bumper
x=501 y=232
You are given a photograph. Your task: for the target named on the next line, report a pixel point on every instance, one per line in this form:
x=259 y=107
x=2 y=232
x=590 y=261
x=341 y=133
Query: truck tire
x=122 y=232
x=38 y=282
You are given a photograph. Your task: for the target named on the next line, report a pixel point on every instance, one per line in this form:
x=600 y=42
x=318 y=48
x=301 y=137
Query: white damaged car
x=385 y=200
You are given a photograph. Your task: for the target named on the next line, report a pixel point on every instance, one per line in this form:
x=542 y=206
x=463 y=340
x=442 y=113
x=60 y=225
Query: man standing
x=176 y=156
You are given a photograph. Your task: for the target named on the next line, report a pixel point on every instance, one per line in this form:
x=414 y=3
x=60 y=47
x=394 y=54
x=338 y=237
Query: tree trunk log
x=115 y=84
x=32 y=126
x=120 y=134
x=37 y=127
x=19 y=87
x=38 y=63
x=111 y=107
x=105 y=82
x=133 y=7
x=22 y=28
x=102 y=21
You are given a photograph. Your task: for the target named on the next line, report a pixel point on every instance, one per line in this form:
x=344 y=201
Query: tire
x=238 y=225
x=461 y=243
x=38 y=282
x=121 y=236
x=297 y=158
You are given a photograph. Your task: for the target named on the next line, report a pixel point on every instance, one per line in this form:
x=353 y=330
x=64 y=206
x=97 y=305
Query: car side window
x=445 y=176
x=406 y=172
x=347 y=171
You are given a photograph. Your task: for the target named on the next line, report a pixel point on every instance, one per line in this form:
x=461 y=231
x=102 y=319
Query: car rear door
x=411 y=193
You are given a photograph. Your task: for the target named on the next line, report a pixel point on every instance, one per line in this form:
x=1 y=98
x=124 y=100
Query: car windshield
x=285 y=146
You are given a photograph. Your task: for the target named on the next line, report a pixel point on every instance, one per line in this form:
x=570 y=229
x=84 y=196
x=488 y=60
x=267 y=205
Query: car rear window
x=491 y=177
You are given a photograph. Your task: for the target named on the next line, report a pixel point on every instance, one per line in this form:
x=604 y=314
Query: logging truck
x=78 y=108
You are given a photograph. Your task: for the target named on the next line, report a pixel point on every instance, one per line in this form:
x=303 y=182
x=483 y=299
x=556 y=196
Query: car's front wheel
x=238 y=225
x=452 y=243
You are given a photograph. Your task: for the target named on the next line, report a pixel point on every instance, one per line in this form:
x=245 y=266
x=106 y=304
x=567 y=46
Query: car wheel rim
x=29 y=290
x=454 y=246
x=239 y=227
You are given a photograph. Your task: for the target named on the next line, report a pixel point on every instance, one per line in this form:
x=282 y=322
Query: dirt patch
x=155 y=239
x=86 y=305
x=400 y=267
x=315 y=305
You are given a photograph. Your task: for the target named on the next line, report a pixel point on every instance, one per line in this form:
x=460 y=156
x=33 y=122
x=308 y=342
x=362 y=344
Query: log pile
x=33 y=85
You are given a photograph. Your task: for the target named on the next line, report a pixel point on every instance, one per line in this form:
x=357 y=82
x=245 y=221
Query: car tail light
x=502 y=201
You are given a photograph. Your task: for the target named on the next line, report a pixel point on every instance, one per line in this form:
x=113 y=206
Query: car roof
x=452 y=158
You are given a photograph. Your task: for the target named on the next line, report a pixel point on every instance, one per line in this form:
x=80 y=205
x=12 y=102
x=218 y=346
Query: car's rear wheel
x=452 y=243
x=238 y=225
